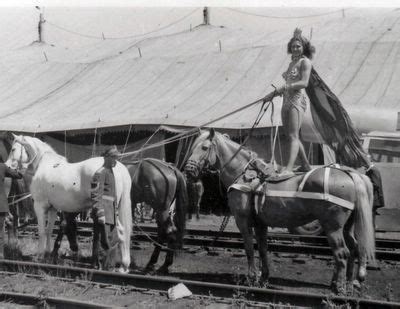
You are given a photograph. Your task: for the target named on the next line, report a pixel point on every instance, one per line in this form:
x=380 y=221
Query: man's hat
x=111 y=152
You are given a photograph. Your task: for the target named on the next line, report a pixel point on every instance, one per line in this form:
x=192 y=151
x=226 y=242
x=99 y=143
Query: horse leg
x=70 y=231
x=58 y=240
x=261 y=234
x=13 y=226
x=2 y=233
x=51 y=219
x=40 y=215
x=200 y=192
x=150 y=267
x=239 y=204
x=11 y=231
x=340 y=254
x=351 y=242
x=96 y=244
x=169 y=259
x=198 y=210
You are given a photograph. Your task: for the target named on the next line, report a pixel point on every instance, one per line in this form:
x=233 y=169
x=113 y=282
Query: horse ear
x=11 y=136
x=212 y=134
x=23 y=141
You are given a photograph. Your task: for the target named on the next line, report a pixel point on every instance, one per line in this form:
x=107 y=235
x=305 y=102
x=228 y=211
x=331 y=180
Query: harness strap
x=326 y=181
x=313 y=196
x=305 y=178
x=325 y=196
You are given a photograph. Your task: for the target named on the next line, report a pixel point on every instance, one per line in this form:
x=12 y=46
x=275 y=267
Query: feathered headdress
x=297 y=34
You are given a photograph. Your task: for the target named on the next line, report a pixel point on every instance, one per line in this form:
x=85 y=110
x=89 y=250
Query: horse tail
x=181 y=202
x=124 y=219
x=364 y=228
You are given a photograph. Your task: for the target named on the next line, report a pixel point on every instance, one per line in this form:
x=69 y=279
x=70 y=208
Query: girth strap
x=312 y=196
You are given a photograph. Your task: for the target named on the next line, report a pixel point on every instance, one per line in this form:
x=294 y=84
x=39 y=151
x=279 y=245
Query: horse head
x=21 y=153
x=203 y=155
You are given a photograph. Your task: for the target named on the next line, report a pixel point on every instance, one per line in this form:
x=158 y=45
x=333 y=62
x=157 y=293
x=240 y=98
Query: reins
x=261 y=113
x=256 y=122
x=194 y=131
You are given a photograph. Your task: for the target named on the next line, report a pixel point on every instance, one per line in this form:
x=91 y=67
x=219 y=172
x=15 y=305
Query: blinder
x=193 y=168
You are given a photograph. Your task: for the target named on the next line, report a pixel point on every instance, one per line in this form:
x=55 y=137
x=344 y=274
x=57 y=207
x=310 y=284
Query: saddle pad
x=279 y=178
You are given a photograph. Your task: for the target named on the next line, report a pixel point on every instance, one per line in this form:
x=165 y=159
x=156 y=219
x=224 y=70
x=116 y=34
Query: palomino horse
x=350 y=233
x=61 y=186
x=162 y=186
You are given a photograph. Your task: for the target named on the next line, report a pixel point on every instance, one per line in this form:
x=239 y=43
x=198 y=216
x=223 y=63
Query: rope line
x=286 y=17
x=20 y=199
x=127 y=139
x=194 y=131
x=123 y=37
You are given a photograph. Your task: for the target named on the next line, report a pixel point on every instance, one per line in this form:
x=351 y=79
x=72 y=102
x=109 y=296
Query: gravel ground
x=288 y=271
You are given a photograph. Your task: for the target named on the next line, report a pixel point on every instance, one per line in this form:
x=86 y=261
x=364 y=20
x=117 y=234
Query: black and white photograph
x=200 y=154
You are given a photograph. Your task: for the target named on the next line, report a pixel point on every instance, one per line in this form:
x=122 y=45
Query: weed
x=389 y=292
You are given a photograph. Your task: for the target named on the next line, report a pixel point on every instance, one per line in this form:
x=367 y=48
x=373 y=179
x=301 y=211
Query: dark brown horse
x=341 y=200
x=162 y=186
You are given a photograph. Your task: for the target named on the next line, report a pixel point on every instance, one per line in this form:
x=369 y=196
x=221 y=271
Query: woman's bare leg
x=292 y=122
x=292 y=128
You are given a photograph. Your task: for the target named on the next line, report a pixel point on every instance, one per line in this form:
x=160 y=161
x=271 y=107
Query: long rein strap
x=261 y=113
x=27 y=195
x=256 y=122
x=194 y=131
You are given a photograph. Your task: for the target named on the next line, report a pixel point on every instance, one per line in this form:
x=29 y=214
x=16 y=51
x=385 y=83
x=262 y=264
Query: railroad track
x=388 y=250
x=200 y=288
x=37 y=301
x=278 y=242
x=382 y=243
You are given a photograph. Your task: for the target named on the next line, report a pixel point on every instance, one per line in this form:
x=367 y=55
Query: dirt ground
x=288 y=272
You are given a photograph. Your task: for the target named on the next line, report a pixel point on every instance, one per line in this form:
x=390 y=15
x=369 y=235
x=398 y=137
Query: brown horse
x=341 y=200
x=162 y=186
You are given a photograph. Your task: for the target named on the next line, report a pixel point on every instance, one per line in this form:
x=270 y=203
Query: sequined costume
x=293 y=98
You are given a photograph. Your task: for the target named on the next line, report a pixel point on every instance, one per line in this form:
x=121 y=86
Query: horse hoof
x=251 y=281
x=163 y=271
x=121 y=270
x=362 y=273
x=357 y=284
x=263 y=282
x=338 y=289
x=149 y=270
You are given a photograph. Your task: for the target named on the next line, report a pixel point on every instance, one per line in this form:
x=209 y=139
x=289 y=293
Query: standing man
x=104 y=197
x=5 y=171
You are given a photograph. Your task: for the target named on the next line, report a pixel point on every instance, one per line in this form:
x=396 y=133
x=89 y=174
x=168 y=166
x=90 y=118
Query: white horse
x=61 y=186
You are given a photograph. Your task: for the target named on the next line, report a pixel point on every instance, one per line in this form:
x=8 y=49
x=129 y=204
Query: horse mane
x=39 y=145
x=234 y=144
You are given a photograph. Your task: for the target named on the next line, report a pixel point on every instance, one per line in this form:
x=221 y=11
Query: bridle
x=20 y=165
x=194 y=166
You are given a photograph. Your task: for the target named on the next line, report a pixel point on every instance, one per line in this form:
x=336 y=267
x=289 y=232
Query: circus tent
x=114 y=69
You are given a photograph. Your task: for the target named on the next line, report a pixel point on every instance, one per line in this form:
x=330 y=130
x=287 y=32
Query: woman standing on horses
x=294 y=98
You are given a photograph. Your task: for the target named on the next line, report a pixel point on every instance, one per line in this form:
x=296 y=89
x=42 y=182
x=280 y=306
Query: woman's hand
x=280 y=90
x=270 y=96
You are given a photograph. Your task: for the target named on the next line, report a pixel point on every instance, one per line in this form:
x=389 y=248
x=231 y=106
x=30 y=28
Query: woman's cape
x=334 y=124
